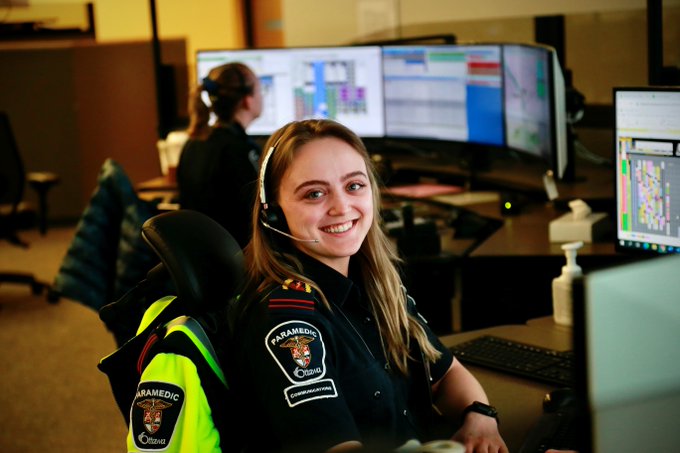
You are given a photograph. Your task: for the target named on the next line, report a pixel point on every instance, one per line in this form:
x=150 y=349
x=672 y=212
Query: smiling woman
x=332 y=202
x=332 y=352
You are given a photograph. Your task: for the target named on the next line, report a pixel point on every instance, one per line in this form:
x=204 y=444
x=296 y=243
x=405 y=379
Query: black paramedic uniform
x=218 y=177
x=315 y=378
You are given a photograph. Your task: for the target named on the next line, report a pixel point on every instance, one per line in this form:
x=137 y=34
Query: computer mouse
x=559 y=399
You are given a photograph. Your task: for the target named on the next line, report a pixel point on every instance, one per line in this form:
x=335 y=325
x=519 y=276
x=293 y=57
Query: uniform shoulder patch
x=292 y=295
x=298 y=349
x=154 y=414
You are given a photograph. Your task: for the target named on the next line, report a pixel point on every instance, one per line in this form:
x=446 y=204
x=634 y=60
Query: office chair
x=205 y=266
x=107 y=255
x=15 y=213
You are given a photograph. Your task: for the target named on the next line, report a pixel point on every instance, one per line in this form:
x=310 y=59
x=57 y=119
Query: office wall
x=609 y=35
x=74 y=105
x=203 y=24
x=606 y=46
x=605 y=39
x=37 y=94
x=336 y=21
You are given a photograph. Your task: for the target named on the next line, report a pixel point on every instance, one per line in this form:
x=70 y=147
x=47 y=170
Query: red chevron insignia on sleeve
x=294 y=304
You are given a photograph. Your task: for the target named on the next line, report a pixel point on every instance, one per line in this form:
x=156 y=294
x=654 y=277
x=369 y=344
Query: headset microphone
x=266 y=225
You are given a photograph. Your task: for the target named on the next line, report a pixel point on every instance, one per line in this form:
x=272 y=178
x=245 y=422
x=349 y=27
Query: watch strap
x=481 y=408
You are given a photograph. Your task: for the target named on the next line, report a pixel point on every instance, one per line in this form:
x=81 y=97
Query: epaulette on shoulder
x=292 y=295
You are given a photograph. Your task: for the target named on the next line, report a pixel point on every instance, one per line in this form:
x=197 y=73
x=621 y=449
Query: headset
x=272 y=217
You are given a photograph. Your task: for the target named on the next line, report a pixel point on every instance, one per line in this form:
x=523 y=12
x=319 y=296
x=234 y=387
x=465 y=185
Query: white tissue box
x=588 y=229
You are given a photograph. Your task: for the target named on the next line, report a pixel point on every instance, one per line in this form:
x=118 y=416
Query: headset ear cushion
x=274 y=217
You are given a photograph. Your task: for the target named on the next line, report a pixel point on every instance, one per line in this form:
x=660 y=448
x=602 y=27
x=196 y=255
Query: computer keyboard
x=532 y=362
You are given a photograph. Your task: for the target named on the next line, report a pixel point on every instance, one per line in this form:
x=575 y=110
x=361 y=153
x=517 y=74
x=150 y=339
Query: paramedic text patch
x=154 y=414
x=298 y=349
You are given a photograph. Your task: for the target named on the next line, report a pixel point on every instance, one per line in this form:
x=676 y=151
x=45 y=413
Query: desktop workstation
x=456 y=108
x=501 y=280
x=518 y=399
x=625 y=315
x=624 y=392
x=487 y=118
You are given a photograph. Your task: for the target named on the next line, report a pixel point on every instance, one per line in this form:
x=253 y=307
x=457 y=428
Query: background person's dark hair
x=226 y=86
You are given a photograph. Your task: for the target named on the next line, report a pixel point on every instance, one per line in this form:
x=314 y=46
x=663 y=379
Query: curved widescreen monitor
x=501 y=96
x=444 y=92
x=647 y=149
x=340 y=83
x=534 y=103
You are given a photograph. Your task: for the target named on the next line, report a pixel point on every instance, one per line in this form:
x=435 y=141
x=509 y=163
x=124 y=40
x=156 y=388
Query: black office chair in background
x=17 y=214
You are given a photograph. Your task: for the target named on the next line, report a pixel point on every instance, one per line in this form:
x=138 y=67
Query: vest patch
x=298 y=349
x=154 y=414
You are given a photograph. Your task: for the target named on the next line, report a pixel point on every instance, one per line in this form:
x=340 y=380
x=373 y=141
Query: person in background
x=331 y=352
x=217 y=171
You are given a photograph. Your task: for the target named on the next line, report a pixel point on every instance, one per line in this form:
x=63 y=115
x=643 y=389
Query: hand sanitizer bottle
x=562 y=291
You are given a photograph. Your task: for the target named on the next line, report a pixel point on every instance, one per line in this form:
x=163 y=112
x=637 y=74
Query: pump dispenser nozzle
x=562 y=285
x=571 y=269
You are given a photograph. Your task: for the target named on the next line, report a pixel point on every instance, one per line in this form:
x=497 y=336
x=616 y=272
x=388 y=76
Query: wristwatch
x=481 y=408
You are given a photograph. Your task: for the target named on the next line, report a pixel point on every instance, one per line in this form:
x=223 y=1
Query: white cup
x=169 y=152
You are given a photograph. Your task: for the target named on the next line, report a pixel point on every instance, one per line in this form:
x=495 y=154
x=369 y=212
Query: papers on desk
x=467 y=198
x=442 y=193
x=424 y=190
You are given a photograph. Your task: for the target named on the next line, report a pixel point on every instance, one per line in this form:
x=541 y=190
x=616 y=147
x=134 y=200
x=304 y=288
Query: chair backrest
x=206 y=267
x=107 y=256
x=204 y=261
x=12 y=175
x=201 y=263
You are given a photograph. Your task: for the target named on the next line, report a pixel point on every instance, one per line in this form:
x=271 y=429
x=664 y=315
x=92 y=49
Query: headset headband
x=263 y=170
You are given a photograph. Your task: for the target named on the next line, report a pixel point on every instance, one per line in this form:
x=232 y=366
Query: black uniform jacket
x=315 y=378
x=218 y=177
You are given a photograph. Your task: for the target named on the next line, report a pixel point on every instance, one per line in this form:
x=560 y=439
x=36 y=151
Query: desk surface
x=527 y=234
x=594 y=182
x=519 y=400
x=159 y=183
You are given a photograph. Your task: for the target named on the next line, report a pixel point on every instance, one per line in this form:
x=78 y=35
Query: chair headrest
x=204 y=260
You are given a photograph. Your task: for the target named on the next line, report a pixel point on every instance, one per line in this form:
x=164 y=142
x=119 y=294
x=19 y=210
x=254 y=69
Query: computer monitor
x=339 y=83
x=647 y=174
x=535 y=105
x=626 y=333
x=444 y=92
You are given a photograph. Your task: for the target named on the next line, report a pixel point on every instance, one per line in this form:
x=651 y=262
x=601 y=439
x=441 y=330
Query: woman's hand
x=479 y=434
